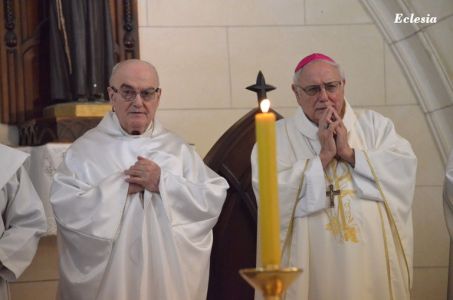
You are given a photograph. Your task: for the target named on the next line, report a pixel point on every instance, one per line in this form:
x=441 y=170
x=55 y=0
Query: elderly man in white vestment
x=448 y=212
x=22 y=217
x=346 y=186
x=134 y=204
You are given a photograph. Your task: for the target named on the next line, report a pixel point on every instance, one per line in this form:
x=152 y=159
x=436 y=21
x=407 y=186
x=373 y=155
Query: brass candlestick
x=271 y=281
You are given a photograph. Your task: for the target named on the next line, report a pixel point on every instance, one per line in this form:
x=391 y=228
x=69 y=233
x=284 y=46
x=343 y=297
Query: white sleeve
x=393 y=163
x=88 y=220
x=91 y=210
x=24 y=223
x=192 y=195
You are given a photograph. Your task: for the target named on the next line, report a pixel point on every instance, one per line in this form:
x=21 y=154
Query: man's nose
x=323 y=94
x=138 y=101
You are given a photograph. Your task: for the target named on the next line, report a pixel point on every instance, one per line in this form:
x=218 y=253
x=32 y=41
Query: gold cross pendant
x=331 y=194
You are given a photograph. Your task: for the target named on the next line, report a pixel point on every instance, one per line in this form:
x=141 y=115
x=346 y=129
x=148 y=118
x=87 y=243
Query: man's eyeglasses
x=330 y=87
x=129 y=94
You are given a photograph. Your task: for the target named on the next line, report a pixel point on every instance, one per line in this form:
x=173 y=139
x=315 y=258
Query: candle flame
x=265 y=104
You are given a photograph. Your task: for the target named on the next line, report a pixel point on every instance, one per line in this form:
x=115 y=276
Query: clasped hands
x=333 y=137
x=144 y=174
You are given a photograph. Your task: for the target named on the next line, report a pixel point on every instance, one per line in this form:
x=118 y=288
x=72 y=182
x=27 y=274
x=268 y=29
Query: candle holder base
x=271 y=281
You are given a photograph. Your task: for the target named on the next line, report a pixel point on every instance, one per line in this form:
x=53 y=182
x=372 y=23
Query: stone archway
x=419 y=52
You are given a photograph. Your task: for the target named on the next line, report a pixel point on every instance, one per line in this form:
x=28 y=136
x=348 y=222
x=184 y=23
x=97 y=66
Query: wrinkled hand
x=333 y=137
x=134 y=188
x=344 y=151
x=327 y=128
x=144 y=174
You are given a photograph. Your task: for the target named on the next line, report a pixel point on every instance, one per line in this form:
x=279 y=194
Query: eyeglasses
x=330 y=87
x=129 y=94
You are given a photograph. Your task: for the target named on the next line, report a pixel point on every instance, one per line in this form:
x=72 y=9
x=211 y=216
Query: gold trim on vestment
x=387 y=258
x=289 y=232
x=391 y=220
x=392 y=223
x=341 y=222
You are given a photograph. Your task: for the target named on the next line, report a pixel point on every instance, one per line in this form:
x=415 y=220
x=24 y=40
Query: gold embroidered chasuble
x=341 y=221
x=361 y=248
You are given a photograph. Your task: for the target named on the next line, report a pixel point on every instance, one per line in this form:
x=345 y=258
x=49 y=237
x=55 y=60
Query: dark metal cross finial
x=331 y=194
x=260 y=87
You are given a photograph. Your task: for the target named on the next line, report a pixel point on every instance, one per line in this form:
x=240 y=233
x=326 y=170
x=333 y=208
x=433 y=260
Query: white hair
x=296 y=76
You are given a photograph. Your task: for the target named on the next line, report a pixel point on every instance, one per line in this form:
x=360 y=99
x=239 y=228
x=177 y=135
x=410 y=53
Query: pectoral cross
x=331 y=194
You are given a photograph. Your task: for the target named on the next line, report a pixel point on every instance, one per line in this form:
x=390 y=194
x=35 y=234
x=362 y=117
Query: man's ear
x=110 y=92
x=159 y=94
x=158 y=97
x=294 y=88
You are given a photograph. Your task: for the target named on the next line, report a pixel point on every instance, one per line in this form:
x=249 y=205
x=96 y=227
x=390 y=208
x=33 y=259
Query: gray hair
x=296 y=76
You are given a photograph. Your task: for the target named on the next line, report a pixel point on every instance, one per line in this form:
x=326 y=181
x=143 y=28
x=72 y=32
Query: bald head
x=131 y=63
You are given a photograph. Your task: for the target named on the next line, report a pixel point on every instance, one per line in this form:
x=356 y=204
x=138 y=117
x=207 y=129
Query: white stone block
x=398 y=90
x=192 y=64
x=225 y=13
x=431 y=238
x=335 y=12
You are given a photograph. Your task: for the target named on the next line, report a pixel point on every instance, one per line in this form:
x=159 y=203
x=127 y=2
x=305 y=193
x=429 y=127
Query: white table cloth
x=41 y=167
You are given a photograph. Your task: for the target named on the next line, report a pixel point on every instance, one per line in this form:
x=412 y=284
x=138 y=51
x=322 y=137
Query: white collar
x=147 y=132
x=111 y=126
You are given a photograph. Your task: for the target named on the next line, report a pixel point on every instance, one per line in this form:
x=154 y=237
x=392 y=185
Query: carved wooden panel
x=45 y=130
x=125 y=28
x=24 y=48
x=22 y=56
